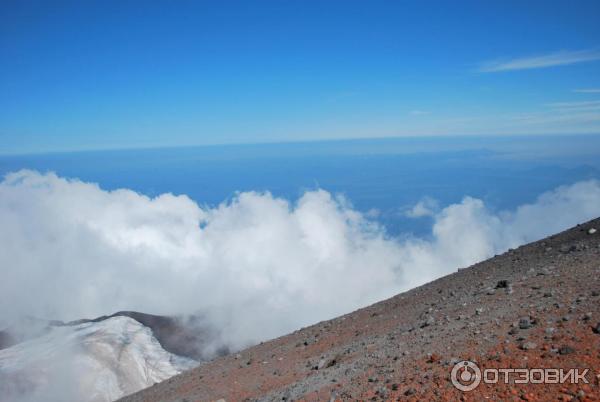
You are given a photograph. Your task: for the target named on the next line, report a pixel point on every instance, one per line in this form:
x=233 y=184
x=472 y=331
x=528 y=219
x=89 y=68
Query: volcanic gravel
x=535 y=306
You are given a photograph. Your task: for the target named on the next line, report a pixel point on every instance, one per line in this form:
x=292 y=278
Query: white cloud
x=572 y=107
x=560 y=58
x=259 y=266
x=581 y=116
x=426 y=207
x=587 y=90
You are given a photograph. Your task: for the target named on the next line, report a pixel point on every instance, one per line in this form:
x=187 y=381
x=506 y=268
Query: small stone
x=529 y=345
x=410 y=391
x=383 y=392
x=565 y=350
x=479 y=310
x=429 y=321
x=525 y=323
x=587 y=316
x=566 y=248
x=596 y=329
x=326 y=363
x=592 y=231
x=502 y=284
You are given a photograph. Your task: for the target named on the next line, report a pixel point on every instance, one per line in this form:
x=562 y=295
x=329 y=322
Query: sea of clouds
x=258 y=266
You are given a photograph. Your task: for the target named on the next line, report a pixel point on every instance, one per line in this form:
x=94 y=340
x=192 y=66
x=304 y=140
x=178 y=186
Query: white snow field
x=91 y=362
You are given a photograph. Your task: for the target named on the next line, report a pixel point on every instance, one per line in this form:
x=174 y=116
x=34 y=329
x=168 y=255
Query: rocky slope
x=536 y=306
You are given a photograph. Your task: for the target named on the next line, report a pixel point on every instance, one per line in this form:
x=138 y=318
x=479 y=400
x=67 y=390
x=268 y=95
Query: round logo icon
x=465 y=376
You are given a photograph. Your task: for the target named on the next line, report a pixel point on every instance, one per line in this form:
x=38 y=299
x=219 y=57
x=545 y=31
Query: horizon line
x=291 y=142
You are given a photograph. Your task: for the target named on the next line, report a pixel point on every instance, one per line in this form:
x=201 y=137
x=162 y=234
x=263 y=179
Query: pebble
x=525 y=323
x=429 y=321
x=529 y=345
x=565 y=350
x=410 y=391
x=543 y=271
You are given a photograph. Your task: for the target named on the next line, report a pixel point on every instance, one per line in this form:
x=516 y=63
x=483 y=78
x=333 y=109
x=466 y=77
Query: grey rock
x=429 y=321
x=565 y=350
x=410 y=391
x=525 y=323
x=528 y=345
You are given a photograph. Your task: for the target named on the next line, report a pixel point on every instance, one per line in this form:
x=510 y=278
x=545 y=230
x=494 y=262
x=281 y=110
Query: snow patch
x=96 y=362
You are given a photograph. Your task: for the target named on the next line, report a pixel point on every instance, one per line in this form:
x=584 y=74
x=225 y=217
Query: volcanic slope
x=535 y=306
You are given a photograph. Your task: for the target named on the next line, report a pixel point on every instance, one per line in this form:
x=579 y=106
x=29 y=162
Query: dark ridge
x=187 y=337
x=184 y=336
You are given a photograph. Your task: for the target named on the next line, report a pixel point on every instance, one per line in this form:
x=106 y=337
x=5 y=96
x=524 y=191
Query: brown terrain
x=536 y=306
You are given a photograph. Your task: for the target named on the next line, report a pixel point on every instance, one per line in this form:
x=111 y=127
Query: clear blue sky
x=111 y=74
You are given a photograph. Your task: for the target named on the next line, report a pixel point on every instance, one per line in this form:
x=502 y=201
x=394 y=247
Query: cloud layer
x=257 y=265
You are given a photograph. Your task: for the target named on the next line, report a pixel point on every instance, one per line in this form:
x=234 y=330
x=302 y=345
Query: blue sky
x=120 y=74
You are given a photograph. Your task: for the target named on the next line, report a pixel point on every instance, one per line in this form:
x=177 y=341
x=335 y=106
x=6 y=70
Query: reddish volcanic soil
x=536 y=306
